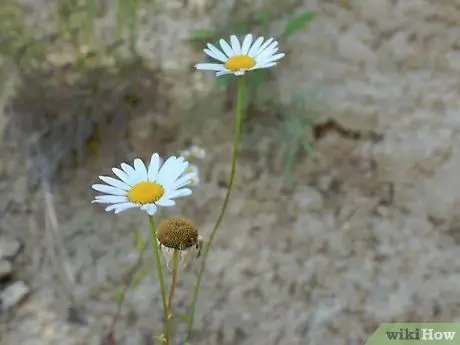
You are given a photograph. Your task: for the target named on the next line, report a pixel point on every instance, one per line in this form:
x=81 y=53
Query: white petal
x=239 y=73
x=271 y=48
x=211 y=54
x=209 y=66
x=215 y=53
x=171 y=170
x=110 y=199
x=256 y=46
x=274 y=57
x=114 y=182
x=226 y=48
x=165 y=202
x=266 y=54
x=224 y=72
x=120 y=207
x=184 y=180
x=179 y=193
x=246 y=44
x=128 y=169
x=167 y=167
x=235 y=45
x=140 y=168
x=154 y=166
x=121 y=175
x=151 y=209
x=108 y=189
x=132 y=175
x=263 y=46
x=264 y=65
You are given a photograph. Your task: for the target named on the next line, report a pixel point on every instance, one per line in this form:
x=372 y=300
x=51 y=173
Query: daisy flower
x=238 y=58
x=145 y=187
x=193 y=152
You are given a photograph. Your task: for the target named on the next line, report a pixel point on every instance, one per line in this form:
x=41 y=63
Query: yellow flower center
x=239 y=62
x=145 y=193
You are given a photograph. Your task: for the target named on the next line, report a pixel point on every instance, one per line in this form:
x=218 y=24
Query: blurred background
x=345 y=212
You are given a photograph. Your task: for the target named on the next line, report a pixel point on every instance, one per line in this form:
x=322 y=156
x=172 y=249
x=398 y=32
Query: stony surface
x=5 y=269
x=369 y=233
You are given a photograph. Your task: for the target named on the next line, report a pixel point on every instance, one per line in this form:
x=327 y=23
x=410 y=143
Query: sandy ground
x=368 y=232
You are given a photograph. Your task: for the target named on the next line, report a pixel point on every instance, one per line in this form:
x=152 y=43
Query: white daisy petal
x=256 y=46
x=215 y=53
x=120 y=207
x=218 y=74
x=164 y=202
x=151 y=209
x=211 y=54
x=114 y=182
x=271 y=49
x=108 y=189
x=275 y=57
x=266 y=55
x=140 y=168
x=246 y=44
x=154 y=167
x=209 y=66
x=170 y=170
x=180 y=193
x=265 y=45
x=128 y=169
x=235 y=45
x=121 y=175
x=184 y=180
x=132 y=175
x=226 y=48
x=110 y=199
x=264 y=65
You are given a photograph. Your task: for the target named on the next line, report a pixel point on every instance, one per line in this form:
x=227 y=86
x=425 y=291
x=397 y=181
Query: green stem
x=175 y=269
x=236 y=140
x=161 y=279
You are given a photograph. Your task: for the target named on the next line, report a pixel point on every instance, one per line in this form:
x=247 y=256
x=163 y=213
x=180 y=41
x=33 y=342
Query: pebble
x=9 y=248
x=5 y=269
x=13 y=295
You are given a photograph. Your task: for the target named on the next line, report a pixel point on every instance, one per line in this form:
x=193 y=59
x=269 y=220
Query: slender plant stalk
x=236 y=140
x=161 y=279
x=175 y=269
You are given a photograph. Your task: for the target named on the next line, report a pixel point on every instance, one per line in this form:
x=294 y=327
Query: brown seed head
x=177 y=233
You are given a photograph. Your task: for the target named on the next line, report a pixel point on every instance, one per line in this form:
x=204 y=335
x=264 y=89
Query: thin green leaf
x=202 y=34
x=298 y=23
x=140 y=277
x=119 y=296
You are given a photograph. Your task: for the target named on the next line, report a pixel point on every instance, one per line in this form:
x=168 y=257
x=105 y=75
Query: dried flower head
x=178 y=233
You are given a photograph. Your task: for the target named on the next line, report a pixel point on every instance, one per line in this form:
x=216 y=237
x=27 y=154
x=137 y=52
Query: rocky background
x=367 y=232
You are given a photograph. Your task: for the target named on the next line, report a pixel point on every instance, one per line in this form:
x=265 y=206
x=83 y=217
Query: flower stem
x=174 y=278
x=236 y=140
x=161 y=279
